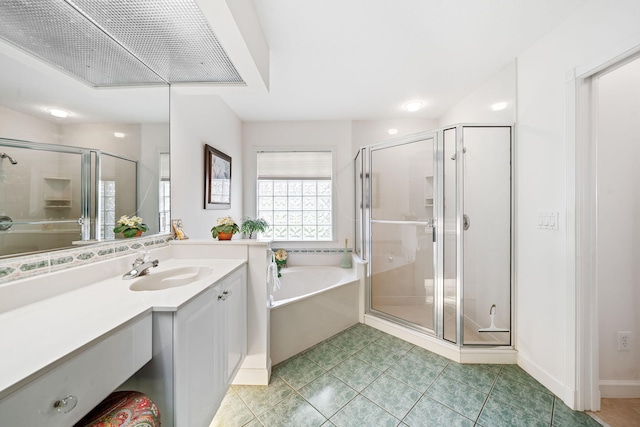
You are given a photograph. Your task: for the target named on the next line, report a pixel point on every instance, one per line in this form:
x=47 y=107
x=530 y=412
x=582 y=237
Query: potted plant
x=251 y=225
x=225 y=228
x=130 y=226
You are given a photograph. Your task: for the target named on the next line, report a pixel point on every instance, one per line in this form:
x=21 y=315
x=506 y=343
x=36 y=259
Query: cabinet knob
x=227 y=292
x=66 y=405
x=222 y=297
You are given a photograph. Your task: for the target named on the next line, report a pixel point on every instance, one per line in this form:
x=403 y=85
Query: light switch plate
x=548 y=220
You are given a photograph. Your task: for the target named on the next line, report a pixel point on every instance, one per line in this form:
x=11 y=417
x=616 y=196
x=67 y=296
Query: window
x=295 y=195
x=108 y=203
x=164 y=195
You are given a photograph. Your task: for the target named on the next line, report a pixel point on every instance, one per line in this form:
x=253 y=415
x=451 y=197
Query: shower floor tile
x=362 y=377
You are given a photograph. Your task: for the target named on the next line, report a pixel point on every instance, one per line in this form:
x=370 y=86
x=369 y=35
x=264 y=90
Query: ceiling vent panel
x=171 y=36
x=115 y=43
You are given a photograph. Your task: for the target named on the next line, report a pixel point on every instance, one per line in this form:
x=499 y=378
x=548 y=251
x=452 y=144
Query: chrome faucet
x=141 y=266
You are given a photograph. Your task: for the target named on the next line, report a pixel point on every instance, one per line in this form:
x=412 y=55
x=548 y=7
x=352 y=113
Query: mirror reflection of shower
x=8 y=157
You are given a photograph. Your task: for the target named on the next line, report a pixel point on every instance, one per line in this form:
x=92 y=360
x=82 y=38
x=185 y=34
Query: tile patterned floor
x=362 y=377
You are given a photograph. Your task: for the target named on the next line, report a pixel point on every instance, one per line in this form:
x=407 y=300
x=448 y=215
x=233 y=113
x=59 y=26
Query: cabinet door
x=236 y=323
x=199 y=365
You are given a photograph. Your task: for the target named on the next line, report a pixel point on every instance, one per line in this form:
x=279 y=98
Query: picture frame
x=177 y=229
x=217 y=179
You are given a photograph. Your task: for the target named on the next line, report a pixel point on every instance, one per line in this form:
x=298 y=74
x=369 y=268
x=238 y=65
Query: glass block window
x=164 y=195
x=296 y=201
x=108 y=201
x=164 y=210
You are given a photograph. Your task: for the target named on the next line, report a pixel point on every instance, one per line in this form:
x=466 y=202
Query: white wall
x=476 y=107
x=197 y=120
x=17 y=125
x=618 y=227
x=543 y=338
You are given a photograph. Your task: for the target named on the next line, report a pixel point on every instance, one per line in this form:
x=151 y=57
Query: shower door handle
x=431 y=222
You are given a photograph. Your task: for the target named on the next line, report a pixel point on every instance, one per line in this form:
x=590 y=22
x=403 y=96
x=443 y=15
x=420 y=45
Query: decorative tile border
x=33 y=265
x=326 y=251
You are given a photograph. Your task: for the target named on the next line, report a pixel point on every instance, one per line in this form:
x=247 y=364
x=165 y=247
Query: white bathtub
x=298 y=283
x=312 y=304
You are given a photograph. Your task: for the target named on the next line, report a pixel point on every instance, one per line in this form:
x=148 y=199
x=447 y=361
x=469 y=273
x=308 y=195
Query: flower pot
x=225 y=236
x=138 y=234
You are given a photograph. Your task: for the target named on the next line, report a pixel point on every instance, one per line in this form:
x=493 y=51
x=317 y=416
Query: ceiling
x=342 y=60
x=363 y=59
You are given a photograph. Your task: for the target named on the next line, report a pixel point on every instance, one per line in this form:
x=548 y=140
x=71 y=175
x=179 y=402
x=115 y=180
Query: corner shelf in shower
x=428 y=191
x=57 y=193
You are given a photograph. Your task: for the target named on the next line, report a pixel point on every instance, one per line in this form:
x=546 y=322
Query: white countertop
x=41 y=335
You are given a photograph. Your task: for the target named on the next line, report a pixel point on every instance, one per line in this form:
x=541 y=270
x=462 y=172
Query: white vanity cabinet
x=197 y=351
x=65 y=393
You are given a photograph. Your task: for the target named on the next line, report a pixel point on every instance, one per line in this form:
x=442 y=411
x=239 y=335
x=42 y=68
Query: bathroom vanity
x=63 y=353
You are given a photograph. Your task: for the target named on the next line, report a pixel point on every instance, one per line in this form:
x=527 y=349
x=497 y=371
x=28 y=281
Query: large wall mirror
x=65 y=181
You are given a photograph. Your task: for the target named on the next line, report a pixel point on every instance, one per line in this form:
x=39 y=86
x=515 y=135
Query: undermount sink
x=167 y=279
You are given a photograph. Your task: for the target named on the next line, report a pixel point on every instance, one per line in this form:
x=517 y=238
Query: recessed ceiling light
x=499 y=106
x=392 y=131
x=118 y=134
x=55 y=112
x=413 y=105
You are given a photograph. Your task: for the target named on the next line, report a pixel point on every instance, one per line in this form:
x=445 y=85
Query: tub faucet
x=141 y=266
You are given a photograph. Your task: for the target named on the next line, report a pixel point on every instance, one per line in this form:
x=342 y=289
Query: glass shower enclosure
x=434 y=224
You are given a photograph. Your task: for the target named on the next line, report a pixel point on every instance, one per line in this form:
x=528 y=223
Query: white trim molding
x=582 y=320
x=620 y=389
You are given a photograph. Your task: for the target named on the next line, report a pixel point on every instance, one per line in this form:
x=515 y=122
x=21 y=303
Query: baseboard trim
x=247 y=376
x=566 y=394
x=628 y=389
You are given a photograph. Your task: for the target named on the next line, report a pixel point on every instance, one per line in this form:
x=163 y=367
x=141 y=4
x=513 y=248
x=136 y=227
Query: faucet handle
x=141 y=258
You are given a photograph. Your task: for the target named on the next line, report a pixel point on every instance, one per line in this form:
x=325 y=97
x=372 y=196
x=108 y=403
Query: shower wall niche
x=434 y=222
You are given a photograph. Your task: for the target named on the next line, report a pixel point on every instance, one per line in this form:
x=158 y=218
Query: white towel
x=273 y=283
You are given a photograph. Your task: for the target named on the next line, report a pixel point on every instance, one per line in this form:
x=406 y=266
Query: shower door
x=400 y=197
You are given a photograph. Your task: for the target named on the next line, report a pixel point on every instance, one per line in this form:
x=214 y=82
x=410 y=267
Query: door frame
x=582 y=315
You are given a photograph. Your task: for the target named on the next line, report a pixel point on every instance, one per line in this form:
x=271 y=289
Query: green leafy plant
x=130 y=226
x=224 y=225
x=253 y=225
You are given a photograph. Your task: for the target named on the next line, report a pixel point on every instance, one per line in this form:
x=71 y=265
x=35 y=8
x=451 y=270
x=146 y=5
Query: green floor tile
x=471 y=375
x=496 y=413
x=362 y=412
x=378 y=356
x=365 y=377
x=326 y=355
x=355 y=373
x=328 y=394
x=298 y=371
x=294 y=411
x=259 y=398
x=457 y=396
x=564 y=416
x=233 y=412
x=427 y=359
x=533 y=401
x=516 y=373
x=414 y=375
x=428 y=412
x=392 y=395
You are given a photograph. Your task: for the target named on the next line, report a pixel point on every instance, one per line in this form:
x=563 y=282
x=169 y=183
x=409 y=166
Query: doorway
x=606 y=203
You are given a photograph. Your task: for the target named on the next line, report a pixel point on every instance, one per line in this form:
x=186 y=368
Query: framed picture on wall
x=217 y=179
